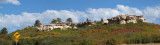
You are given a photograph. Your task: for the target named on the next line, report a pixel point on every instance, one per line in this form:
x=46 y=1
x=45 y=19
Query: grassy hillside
x=93 y=35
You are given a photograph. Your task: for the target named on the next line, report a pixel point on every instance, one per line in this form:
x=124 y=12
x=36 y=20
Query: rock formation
x=87 y=23
x=123 y=19
x=64 y=25
x=61 y=25
x=120 y=19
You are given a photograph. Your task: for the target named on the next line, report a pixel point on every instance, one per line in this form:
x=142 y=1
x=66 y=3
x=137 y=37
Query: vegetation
x=69 y=20
x=98 y=34
x=53 y=21
x=101 y=20
x=4 y=31
x=87 y=20
x=37 y=23
x=58 y=19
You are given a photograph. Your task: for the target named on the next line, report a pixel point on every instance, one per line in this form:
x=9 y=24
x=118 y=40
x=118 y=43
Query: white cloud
x=24 y=19
x=152 y=14
x=128 y=10
x=15 y=2
x=45 y=17
x=96 y=14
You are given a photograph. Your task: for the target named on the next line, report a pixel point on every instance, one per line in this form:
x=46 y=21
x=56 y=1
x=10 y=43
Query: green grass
x=92 y=35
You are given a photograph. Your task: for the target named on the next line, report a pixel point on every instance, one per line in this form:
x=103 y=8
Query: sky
x=16 y=14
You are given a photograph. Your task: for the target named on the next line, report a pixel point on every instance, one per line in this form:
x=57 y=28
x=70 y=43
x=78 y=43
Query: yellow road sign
x=16 y=35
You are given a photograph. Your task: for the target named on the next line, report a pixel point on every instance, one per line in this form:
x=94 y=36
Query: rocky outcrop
x=87 y=23
x=105 y=21
x=123 y=19
x=61 y=25
x=120 y=19
x=64 y=25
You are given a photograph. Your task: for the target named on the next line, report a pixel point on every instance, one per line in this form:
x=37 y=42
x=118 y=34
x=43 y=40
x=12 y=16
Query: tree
x=87 y=20
x=37 y=23
x=95 y=21
x=58 y=19
x=69 y=20
x=53 y=21
x=4 y=31
x=101 y=20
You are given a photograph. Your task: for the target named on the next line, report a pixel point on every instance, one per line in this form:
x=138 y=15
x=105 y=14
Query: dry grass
x=117 y=31
x=143 y=44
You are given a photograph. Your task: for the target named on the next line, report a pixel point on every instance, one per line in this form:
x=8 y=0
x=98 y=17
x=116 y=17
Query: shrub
x=87 y=42
x=5 y=42
x=26 y=42
x=112 y=41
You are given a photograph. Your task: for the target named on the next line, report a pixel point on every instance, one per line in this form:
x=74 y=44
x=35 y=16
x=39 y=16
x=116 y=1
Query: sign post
x=16 y=35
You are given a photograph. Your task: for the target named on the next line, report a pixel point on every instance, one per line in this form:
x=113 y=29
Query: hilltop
x=56 y=23
x=98 y=33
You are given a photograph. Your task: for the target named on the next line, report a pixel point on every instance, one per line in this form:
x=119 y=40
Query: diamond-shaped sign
x=16 y=35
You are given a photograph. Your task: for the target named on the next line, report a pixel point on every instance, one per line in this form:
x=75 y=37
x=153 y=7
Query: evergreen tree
x=69 y=20
x=101 y=20
x=58 y=19
x=37 y=23
x=53 y=21
x=87 y=20
x=4 y=31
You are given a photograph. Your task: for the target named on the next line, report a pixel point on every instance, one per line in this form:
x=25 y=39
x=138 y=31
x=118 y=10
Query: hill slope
x=93 y=35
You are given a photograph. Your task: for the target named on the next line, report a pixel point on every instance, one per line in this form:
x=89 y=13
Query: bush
x=138 y=40
x=5 y=42
x=87 y=42
x=26 y=42
x=112 y=41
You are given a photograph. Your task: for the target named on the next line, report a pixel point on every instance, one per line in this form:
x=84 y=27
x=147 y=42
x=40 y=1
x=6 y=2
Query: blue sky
x=42 y=5
x=16 y=14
